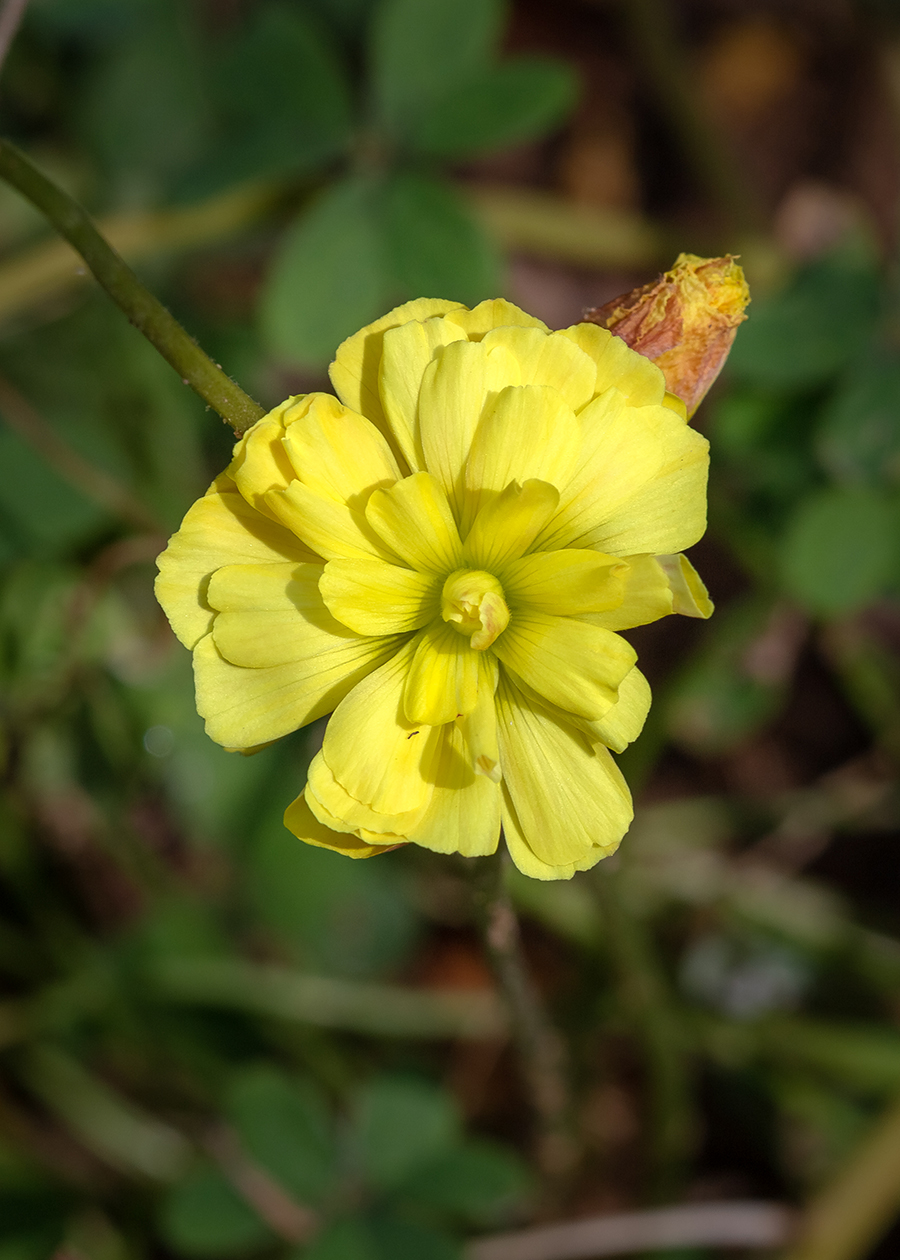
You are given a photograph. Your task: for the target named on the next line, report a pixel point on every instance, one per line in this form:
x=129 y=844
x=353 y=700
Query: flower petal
x=574 y=665
x=405 y=355
x=336 y=532
x=479 y=728
x=527 y=432
x=640 y=482
x=668 y=514
x=548 y=359
x=641 y=381
x=570 y=800
x=299 y=819
x=354 y=372
x=656 y=586
x=270 y=614
x=625 y=720
x=218 y=529
x=646 y=597
x=245 y=707
x=334 y=807
x=443 y=678
x=377 y=756
x=338 y=454
x=463 y=815
x=690 y=597
x=564 y=582
x=493 y=313
x=524 y=856
x=507 y=525
x=456 y=386
x=372 y=597
x=414 y=520
x=260 y=462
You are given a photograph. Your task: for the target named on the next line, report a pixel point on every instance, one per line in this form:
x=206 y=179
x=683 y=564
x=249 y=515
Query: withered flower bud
x=685 y=321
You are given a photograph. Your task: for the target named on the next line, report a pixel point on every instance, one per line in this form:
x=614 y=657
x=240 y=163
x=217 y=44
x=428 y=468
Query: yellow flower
x=443 y=558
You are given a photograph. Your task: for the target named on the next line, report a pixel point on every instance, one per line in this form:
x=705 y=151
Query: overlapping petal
x=564 y=800
x=574 y=665
x=221 y=528
x=244 y=707
x=336 y=453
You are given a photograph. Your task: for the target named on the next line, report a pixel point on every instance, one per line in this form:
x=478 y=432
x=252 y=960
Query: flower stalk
x=143 y=310
x=540 y=1048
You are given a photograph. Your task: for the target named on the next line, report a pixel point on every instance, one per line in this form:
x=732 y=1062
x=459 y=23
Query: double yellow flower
x=443 y=558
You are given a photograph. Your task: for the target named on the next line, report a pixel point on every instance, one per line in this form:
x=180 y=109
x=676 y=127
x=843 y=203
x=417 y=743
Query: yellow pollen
x=473 y=603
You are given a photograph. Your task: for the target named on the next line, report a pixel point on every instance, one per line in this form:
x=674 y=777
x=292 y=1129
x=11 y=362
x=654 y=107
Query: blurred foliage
x=215 y=1041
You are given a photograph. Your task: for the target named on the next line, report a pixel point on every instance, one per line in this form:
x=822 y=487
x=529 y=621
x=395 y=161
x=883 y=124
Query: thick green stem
x=541 y=1052
x=145 y=311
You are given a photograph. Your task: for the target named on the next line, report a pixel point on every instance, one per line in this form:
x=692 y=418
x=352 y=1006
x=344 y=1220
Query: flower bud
x=685 y=321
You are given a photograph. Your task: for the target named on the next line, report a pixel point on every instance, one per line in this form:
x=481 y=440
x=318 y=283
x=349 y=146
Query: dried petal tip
x=685 y=321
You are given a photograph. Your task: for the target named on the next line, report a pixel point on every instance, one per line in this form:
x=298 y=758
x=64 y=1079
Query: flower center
x=473 y=603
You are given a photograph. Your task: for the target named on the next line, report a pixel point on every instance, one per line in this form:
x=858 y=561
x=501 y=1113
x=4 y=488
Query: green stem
x=145 y=311
x=647 y=1000
x=540 y=1047
x=851 y=1213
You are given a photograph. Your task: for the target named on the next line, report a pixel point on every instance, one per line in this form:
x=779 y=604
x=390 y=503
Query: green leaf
x=205 y=1216
x=402 y=1122
x=516 y=101
x=807 y=333
x=344 y=918
x=284 y=1126
x=479 y=1181
x=841 y=549
x=421 y=49
x=435 y=247
x=343 y=1240
x=146 y=115
x=398 y=1239
x=329 y=277
x=283 y=99
x=859 y=437
x=37 y=504
x=716 y=701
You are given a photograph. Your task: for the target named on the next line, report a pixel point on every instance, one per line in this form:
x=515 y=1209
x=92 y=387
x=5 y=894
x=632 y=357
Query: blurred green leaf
x=329 y=277
x=421 y=49
x=40 y=507
x=716 y=700
x=503 y=105
x=804 y=335
x=146 y=115
x=283 y=101
x=858 y=1057
x=345 y=918
x=31 y=1245
x=478 y=1181
x=205 y=1216
x=399 y=1239
x=841 y=549
x=98 y=18
x=30 y=1224
x=435 y=246
x=343 y=1240
x=284 y=1126
x=401 y=1122
x=859 y=435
